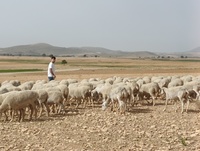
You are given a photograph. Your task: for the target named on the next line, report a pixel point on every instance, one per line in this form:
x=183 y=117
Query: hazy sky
x=128 y=25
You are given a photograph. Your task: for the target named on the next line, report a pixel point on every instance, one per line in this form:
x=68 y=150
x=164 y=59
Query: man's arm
x=54 y=76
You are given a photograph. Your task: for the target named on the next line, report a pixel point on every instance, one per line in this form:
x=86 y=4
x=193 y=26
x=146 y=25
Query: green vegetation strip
x=19 y=70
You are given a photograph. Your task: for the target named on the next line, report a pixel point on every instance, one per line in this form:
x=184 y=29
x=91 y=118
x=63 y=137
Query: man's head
x=53 y=59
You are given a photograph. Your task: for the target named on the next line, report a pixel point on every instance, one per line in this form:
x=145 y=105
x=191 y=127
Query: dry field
x=142 y=128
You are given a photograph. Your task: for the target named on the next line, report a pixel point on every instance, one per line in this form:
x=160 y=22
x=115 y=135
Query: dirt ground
x=144 y=127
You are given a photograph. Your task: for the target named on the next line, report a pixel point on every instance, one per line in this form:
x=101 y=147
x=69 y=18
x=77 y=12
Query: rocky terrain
x=144 y=127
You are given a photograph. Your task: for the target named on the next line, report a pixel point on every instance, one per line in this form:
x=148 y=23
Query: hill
x=47 y=49
x=191 y=53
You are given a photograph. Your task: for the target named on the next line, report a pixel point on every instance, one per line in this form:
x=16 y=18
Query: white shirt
x=51 y=65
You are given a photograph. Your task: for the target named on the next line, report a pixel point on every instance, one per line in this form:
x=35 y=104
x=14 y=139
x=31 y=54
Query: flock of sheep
x=119 y=94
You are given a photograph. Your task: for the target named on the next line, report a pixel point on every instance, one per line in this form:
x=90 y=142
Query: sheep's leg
x=153 y=100
x=176 y=106
x=188 y=102
x=6 y=116
x=182 y=106
x=197 y=96
x=112 y=107
x=61 y=107
x=47 y=109
x=105 y=104
x=20 y=115
x=166 y=101
x=23 y=114
x=121 y=106
x=35 y=110
x=12 y=115
x=31 y=114
x=92 y=101
x=78 y=102
x=41 y=109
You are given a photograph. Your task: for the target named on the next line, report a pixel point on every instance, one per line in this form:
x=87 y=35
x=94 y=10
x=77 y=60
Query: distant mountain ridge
x=47 y=49
x=40 y=49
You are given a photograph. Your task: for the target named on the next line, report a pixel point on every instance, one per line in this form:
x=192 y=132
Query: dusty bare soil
x=144 y=127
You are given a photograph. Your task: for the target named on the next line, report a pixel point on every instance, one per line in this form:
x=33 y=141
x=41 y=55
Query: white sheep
x=42 y=100
x=19 y=101
x=119 y=95
x=79 y=93
x=149 y=90
x=56 y=98
x=175 y=82
x=176 y=93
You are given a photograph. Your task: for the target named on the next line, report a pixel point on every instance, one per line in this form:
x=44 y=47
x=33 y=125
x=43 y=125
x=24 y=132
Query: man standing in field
x=51 y=69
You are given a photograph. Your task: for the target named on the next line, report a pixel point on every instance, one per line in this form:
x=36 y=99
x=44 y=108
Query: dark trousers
x=50 y=78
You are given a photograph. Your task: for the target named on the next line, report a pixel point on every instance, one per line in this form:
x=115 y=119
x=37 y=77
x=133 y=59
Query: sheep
x=79 y=93
x=118 y=80
x=64 y=90
x=15 y=82
x=70 y=81
x=20 y=100
x=130 y=90
x=140 y=82
x=2 y=97
x=27 y=85
x=146 y=80
x=65 y=82
x=164 y=82
x=56 y=97
x=135 y=89
x=40 y=81
x=95 y=93
x=42 y=100
x=175 y=82
x=12 y=82
x=149 y=90
x=187 y=78
x=176 y=93
x=104 y=91
x=193 y=90
x=3 y=90
x=119 y=94
x=109 y=80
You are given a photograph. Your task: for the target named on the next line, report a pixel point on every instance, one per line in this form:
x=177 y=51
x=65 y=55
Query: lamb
x=20 y=100
x=176 y=93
